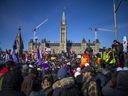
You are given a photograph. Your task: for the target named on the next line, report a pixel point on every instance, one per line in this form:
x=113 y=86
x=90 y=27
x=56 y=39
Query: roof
x=54 y=44
x=73 y=44
x=97 y=41
x=76 y=44
x=83 y=40
x=91 y=44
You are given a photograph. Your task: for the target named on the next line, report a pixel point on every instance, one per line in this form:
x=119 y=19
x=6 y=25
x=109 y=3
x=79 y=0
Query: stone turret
x=97 y=45
x=83 y=45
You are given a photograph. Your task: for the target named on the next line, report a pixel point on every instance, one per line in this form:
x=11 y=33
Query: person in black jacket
x=117 y=48
x=11 y=81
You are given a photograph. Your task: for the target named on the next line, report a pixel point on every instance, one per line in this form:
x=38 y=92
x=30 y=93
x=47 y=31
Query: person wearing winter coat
x=10 y=81
x=36 y=87
x=27 y=83
x=46 y=86
x=65 y=85
x=78 y=77
x=89 y=87
x=3 y=72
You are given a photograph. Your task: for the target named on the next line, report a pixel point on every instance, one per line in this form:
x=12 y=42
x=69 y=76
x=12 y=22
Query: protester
x=78 y=77
x=85 y=59
x=78 y=72
x=36 y=87
x=65 y=85
x=110 y=60
x=47 y=86
x=89 y=87
x=27 y=84
x=104 y=58
x=118 y=52
x=11 y=82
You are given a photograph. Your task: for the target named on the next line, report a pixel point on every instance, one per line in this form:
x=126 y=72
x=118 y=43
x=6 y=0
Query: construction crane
x=95 y=30
x=37 y=27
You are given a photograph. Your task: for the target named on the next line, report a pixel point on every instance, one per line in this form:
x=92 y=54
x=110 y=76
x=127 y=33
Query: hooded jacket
x=65 y=87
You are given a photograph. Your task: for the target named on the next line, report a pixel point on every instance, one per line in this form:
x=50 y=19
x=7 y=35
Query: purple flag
x=38 y=57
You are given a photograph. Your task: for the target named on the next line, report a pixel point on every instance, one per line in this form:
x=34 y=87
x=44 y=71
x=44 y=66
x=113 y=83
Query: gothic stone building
x=64 y=45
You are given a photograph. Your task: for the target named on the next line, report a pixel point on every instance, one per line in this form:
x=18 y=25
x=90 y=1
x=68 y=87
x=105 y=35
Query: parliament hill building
x=64 y=45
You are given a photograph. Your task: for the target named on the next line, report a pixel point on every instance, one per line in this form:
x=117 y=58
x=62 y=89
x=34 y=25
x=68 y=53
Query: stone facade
x=64 y=45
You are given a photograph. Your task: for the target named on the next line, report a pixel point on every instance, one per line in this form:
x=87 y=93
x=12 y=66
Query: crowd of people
x=68 y=74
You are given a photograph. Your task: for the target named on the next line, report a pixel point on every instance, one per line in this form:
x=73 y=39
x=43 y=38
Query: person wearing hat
x=89 y=87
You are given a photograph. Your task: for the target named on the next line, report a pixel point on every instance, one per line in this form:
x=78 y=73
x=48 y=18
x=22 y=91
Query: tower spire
x=19 y=28
x=63 y=18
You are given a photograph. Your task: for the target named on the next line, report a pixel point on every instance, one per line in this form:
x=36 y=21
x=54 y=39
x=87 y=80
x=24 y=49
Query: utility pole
x=115 y=22
x=115 y=9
